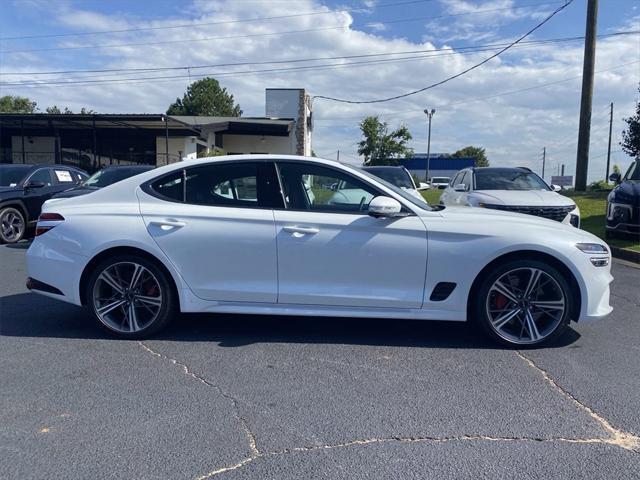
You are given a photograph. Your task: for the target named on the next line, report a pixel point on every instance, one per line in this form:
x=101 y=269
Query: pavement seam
x=251 y=438
x=618 y=437
x=417 y=439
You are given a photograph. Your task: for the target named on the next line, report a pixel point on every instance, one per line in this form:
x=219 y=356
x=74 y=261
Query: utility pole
x=606 y=178
x=429 y=114
x=544 y=159
x=582 y=158
x=338 y=156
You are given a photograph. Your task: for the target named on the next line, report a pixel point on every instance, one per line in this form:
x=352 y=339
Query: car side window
x=467 y=179
x=43 y=175
x=323 y=189
x=242 y=184
x=456 y=179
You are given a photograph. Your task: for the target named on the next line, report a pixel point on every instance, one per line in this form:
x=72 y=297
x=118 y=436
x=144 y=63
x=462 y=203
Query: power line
x=252 y=35
x=227 y=22
x=88 y=80
x=299 y=60
x=414 y=92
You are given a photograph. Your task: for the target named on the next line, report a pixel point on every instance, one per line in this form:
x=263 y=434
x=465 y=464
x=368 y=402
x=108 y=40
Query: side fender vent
x=442 y=291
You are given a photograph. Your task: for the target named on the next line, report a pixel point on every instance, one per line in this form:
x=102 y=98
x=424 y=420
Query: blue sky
x=478 y=108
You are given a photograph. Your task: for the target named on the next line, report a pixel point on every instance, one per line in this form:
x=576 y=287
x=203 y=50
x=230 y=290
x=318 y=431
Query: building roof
x=240 y=125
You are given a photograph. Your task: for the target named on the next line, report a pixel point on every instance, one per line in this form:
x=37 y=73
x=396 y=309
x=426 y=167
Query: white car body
x=280 y=261
x=518 y=201
x=439 y=182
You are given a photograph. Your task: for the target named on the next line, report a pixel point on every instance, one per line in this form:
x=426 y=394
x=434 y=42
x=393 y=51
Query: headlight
x=593 y=248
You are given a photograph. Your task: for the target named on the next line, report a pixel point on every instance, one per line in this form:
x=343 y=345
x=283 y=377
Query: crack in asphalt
x=618 y=437
x=251 y=438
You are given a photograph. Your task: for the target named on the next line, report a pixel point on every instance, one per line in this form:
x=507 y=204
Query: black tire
x=167 y=310
x=12 y=225
x=481 y=302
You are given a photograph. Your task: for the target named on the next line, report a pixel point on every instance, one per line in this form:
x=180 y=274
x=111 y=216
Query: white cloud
x=513 y=128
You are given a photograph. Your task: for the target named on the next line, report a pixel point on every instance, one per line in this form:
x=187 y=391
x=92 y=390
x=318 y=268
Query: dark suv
x=23 y=190
x=623 y=203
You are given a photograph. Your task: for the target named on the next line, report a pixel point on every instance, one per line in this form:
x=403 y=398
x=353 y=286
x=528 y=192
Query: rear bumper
x=53 y=273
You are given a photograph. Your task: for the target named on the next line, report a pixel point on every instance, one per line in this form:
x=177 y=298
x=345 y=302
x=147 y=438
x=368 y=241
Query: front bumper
x=623 y=218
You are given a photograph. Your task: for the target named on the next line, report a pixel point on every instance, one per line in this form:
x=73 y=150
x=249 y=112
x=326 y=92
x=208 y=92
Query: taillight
x=47 y=217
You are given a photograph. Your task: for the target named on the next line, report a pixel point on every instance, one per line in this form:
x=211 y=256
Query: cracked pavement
x=239 y=397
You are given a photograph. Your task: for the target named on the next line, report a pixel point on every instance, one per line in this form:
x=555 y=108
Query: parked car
x=623 y=203
x=102 y=178
x=164 y=241
x=516 y=190
x=23 y=190
x=398 y=176
x=439 y=182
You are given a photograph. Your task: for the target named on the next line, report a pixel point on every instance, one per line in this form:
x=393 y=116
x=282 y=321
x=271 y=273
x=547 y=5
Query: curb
x=625 y=254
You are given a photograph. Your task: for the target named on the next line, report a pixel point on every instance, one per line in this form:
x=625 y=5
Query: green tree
x=206 y=97
x=616 y=169
x=57 y=110
x=381 y=147
x=631 y=136
x=16 y=104
x=477 y=153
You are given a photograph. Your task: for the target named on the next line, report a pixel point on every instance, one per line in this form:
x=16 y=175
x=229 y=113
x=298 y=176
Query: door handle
x=167 y=224
x=303 y=230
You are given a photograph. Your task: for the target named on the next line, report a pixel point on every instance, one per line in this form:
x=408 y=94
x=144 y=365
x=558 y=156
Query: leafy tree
x=56 y=110
x=206 y=97
x=477 y=153
x=616 y=169
x=16 y=104
x=381 y=147
x=631 y=136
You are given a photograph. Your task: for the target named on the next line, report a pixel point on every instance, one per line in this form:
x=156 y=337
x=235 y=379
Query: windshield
x=508 y=180
x=108 y=176
x=403 y=193
x=633 y=174
x=13 y=175
x=440 y=180
x=397 y=176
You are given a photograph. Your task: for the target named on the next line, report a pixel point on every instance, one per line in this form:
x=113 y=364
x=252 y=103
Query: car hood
x=627 y=192
x=532 y=198
x=5 y=190
x=502 y=221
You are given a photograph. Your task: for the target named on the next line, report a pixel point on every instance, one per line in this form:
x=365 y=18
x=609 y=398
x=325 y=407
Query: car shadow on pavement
x=31 y=315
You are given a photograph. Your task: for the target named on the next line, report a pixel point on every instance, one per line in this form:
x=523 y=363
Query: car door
x=215 y=223
x=448 y=196
x=38 y=188
x=331 y=252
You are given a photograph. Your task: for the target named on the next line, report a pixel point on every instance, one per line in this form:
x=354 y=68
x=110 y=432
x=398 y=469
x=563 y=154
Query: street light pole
x=429 y=115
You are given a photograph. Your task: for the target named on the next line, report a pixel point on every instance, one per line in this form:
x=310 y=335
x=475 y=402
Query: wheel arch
x=122 y=250
x=18 y=204
x=576 y=300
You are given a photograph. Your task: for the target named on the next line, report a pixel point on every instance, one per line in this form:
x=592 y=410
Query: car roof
x=383 y=167
x=136 y=167
x=500 y=169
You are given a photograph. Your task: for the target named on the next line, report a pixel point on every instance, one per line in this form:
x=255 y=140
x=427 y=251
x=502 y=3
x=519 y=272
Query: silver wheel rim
x=525 y=305
x=127 y=297
x=12 y=226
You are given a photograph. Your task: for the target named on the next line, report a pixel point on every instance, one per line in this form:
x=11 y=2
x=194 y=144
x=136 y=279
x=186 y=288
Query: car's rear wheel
x=524 y=303
x=12 y=225
x=131 y=296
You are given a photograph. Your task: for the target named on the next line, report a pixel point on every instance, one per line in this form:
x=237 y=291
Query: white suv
x=512 y=189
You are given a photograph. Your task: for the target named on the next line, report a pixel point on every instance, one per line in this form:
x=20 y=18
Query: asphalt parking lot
x=274 y=397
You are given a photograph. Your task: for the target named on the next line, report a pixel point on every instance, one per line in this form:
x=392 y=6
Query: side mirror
x=460 y=187
x=34 y=184
x=615 y=177
x=384 y=207
x=556 y=188
x=424 y=186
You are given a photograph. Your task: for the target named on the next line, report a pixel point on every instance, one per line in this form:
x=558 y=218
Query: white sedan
x=243 y=234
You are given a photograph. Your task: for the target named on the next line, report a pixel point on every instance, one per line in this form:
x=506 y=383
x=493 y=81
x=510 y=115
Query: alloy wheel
x=127 y=297
x=12 y=225
x=525 y=305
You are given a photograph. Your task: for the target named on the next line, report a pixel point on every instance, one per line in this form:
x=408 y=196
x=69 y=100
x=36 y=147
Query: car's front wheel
x=131 y=296
x=12 y=225
x=524 y=303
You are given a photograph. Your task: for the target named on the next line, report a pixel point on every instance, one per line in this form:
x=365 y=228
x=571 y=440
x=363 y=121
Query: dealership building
x=440 y=164
x=91 y=141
